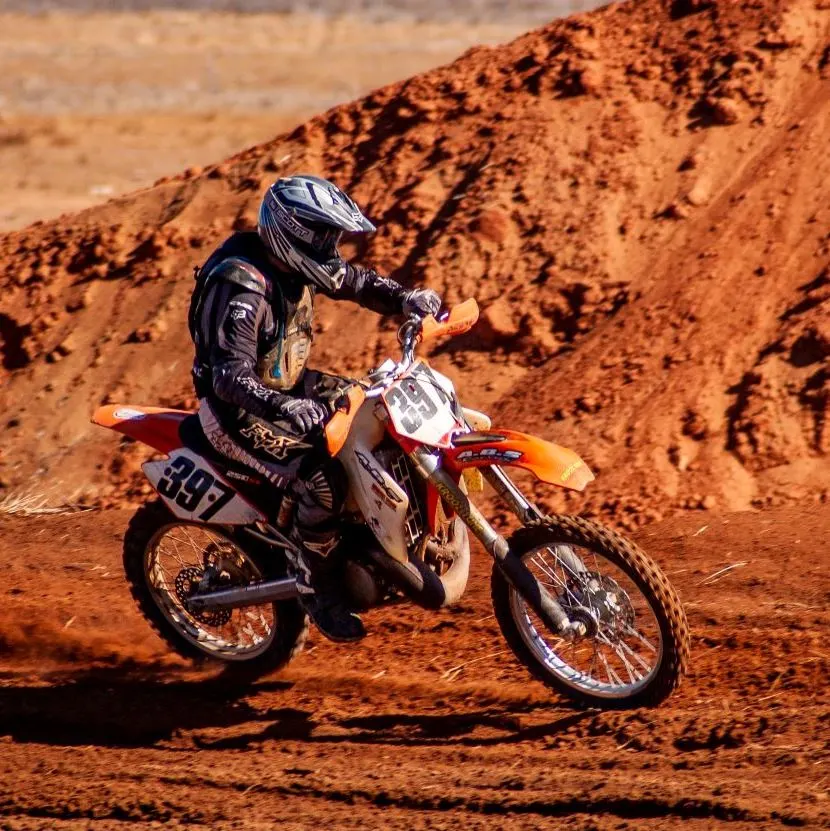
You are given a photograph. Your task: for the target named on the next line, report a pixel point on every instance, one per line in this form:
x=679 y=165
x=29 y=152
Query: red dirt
x=104 y=730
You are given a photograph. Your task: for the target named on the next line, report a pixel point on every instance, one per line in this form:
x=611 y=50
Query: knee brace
x=322 y=495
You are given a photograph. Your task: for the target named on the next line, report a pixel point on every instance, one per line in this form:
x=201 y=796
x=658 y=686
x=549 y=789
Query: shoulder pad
x=242 y=273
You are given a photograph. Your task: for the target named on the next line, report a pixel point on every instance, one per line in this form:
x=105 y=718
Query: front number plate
x=420 y=410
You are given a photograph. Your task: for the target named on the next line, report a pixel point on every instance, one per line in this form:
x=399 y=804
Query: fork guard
x=514 y=570
x=549 y=462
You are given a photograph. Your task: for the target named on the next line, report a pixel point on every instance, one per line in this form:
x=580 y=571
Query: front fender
x=550 y=463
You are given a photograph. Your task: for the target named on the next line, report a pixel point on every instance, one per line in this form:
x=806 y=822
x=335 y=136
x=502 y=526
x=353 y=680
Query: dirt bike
x=583 y=608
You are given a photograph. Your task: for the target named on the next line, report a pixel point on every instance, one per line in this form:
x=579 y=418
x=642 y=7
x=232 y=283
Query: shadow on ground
x=108 y=708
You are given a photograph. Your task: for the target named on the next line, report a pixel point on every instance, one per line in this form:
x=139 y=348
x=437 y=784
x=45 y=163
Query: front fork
x=517 y=574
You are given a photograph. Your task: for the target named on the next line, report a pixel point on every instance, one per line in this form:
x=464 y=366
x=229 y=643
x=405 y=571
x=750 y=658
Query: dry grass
x=31 y=503
x=721 y=572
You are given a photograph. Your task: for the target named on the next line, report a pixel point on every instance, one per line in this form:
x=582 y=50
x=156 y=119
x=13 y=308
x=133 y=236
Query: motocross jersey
x=252 y=325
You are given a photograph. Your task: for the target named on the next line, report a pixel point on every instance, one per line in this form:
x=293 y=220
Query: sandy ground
x=428 y=723
x=93 y=105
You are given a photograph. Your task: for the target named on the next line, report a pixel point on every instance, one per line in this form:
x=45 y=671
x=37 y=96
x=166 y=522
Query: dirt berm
x=636 y=196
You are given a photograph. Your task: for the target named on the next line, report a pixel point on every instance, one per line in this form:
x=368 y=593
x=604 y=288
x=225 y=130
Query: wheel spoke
x=616 y=658
x=593 y=665
x=561 y=560
x=635 y=655
x=632 y=671
x=640 y=637
x=612 y=675
x=174 y=554
x=540 y=561
x=246 y=630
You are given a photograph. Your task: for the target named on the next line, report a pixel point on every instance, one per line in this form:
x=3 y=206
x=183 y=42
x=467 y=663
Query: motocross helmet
x=301 y=221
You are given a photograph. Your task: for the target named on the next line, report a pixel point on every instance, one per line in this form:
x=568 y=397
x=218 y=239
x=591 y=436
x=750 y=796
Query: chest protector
x=283 y=364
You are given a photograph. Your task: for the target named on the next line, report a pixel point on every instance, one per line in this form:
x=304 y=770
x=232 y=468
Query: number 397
x=188 y=486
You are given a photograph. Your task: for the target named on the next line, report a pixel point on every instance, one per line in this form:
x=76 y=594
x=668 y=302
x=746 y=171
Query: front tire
x=283 y=626
x=604 y=579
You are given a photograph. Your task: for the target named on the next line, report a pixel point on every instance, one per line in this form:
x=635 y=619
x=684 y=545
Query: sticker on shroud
x=489 y=454
x=128 y=414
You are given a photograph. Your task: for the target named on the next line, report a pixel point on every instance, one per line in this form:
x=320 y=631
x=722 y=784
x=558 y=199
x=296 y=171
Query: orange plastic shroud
x=550 y=463
x=337 y=430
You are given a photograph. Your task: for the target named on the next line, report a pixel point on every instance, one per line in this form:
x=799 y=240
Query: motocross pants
x=290 y=459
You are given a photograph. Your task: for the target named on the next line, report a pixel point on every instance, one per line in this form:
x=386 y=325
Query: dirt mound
x=635 y=196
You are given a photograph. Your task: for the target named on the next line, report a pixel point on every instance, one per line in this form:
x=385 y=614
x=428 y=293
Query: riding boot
x=316 y=570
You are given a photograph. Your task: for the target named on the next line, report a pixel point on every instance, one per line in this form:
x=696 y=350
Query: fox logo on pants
x=273 y=444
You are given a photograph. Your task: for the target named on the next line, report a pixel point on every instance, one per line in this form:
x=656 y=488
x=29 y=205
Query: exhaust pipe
x=419 y=582
x=267 y=592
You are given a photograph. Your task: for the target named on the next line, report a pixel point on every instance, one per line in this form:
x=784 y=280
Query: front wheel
x=166 y=560
x=636 y=646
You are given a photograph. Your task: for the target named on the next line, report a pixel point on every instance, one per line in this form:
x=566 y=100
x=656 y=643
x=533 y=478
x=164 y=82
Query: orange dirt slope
x=636 y=196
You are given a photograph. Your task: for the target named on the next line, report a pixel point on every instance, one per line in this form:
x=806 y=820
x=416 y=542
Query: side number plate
x=193 y=490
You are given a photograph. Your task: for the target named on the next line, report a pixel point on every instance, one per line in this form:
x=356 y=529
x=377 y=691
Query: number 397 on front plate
x=419 y=410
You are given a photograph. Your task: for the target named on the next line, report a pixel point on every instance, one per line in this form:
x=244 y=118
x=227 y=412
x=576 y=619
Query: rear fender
x=190 y=486
x=157 y=427
x=550 y=463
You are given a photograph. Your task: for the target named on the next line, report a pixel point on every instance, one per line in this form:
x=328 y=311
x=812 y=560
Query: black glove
x=421 y=302
x=305 y=413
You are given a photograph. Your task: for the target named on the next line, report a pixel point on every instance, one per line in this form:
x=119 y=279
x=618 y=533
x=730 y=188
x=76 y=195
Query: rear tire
x=643 y=573
x=291 y=628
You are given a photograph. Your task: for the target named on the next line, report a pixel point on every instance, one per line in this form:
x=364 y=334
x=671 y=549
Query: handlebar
x=408 y=337
x=455 y=321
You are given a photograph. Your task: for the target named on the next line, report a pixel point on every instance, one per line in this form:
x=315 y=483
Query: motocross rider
x=251 y=322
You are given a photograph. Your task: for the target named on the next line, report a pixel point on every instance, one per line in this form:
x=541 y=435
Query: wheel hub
x=579 y=614
x=224 y=565
x=190 y=581
x=602 y=599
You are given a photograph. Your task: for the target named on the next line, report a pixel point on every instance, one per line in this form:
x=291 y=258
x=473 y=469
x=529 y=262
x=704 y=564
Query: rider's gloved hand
x=304 y=412
x=421 y=302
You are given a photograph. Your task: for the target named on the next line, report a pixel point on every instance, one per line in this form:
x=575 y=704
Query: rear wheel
x=166 y=560
x=636 y=645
